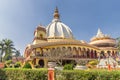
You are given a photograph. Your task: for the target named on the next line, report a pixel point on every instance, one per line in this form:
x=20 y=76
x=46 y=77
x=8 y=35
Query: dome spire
x=56 y=13
x=99 y=32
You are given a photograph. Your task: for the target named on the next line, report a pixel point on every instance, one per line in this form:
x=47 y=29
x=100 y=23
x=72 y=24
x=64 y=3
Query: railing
x=64 y=58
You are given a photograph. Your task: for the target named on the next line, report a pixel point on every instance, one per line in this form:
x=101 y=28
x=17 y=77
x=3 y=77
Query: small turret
x=39 y=34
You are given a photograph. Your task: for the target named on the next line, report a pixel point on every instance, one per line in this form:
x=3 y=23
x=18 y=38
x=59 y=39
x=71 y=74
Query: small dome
x=56 y=29
x=104 y=43
x=102 y=40
x=100 y=36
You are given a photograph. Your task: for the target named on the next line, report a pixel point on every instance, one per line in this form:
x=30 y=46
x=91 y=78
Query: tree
x=17 y=53
x=8 y=49
x=58 y=55
x=1 y=49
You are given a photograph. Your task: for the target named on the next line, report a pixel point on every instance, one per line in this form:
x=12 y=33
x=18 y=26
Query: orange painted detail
x=51 y=74
x=1 y=65
x=109 y=67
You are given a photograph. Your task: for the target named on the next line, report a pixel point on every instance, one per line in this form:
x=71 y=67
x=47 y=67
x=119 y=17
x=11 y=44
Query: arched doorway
x=41 y=63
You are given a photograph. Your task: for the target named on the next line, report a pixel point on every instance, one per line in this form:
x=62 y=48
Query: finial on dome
x=56 y=13
x=99 y=32
x=40 y=24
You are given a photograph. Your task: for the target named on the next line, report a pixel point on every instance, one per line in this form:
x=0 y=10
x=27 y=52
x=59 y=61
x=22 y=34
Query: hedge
x=23 y=74
x=87 y=75
x=41 y=74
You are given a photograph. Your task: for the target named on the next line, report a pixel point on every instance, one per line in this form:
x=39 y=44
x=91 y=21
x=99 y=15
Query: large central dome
x=58 y=30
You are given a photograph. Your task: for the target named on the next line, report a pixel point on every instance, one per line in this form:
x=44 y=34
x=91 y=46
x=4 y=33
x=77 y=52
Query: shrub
x=17 y=64
x=68 y=67
x=37 y=66
x=93 y=62
x=8 y=64
x=5 y=66
x=27 y=65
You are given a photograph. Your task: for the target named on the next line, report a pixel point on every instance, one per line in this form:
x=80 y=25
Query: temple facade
x=56 y=42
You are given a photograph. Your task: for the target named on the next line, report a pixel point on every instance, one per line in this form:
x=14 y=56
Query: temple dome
x=58 y=30
x=102 y=40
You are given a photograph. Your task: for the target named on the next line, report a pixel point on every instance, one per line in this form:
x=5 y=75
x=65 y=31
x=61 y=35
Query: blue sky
x=19 y=18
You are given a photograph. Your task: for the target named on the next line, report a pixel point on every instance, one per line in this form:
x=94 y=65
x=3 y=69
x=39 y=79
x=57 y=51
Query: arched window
x=108 y=53
x=41 y=36
x=102 y=55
